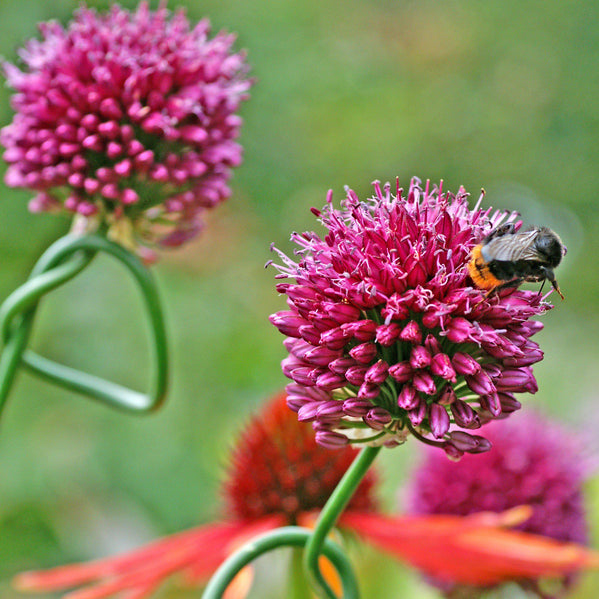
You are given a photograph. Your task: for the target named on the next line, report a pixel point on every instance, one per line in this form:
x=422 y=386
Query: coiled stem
x=293 y=536
x=316 y=541
x=60 y=263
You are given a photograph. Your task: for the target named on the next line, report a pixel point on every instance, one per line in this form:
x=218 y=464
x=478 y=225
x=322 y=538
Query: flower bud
x=480 y=383
x=459 y=330
x=356 y=374
x=377 y=373
x=368 y=391
x=401 y=372
x=411 y=332
x=464 y=415
x=439 y=420
x=388 y=334
x=423 y=382
x=364 y=353
x=441 y=366
x=465 y=364
x=420 y=357
x=377 y=418
x=331 y=439
x=407 y=398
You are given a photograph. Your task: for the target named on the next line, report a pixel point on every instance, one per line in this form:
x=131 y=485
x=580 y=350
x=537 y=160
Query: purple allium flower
x=127 y=119
x=383 y=316
x=533 y=462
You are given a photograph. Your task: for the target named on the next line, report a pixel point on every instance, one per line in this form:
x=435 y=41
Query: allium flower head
x=387 y=334
x=533 y=462
x=127 y=118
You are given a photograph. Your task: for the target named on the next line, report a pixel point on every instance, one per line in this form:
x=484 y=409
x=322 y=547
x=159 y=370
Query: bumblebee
x=507 y=258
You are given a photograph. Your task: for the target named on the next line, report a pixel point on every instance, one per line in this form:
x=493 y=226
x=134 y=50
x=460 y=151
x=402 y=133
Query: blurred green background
x=499 y=94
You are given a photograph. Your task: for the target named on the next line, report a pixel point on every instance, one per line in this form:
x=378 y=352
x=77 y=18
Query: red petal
x=469 y=550
x=197 y=552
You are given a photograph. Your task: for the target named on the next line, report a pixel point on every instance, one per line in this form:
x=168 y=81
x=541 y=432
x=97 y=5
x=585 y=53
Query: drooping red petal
x=469 y=550
x=196 y=553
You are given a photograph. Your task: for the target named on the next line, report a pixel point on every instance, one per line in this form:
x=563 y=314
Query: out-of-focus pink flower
x=127 y=116
x=533 y=462
x=387 y=336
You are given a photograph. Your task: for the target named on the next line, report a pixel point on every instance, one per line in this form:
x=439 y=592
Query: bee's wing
x=509 y=248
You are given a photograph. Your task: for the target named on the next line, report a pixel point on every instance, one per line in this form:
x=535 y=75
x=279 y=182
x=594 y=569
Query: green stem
x=299 y=588
x=329 y=515
x=286 y=536
x=25 y=298
x=63 y=260
x=17 y=314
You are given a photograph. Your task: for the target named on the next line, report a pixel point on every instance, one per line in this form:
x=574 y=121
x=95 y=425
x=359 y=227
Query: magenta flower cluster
x=533 y=462
x=127 y=115
x=387 y=336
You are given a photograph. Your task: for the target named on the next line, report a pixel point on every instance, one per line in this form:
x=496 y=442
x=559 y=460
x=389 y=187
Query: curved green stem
x=286 y=536
x=27 y=295
x=329 y=515
x=19 y=310
x=63 y=260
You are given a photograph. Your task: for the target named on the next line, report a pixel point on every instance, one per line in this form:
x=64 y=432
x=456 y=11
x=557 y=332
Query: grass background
x=500 y=95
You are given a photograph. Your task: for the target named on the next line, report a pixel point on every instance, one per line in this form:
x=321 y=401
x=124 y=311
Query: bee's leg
x=508 y=284
x=551 y=278
x=542 y=285
x=491 y=292
x=506 y=229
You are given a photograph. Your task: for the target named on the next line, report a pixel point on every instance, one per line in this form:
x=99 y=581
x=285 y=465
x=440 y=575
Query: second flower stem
x=293 y=536
x=329 y=516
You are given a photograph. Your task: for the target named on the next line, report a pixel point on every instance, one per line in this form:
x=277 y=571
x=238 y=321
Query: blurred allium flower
x=533 y=462
x=127 y=119
x=278 y=474
x=387 y=335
